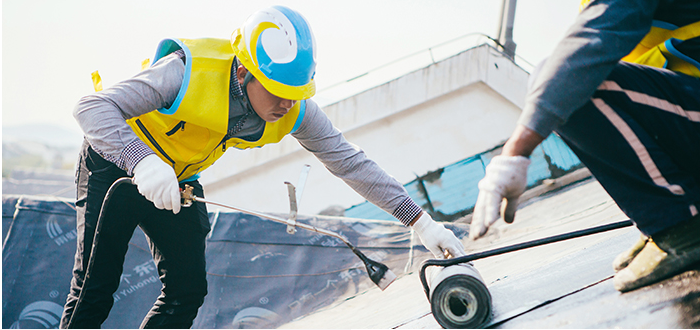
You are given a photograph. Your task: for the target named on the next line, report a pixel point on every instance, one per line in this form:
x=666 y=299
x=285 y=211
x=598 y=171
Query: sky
x=50 y=48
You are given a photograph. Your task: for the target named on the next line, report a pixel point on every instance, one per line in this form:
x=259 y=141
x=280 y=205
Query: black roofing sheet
x=259 y=276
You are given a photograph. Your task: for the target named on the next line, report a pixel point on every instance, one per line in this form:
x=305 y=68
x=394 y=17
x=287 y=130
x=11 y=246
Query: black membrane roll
x=459 y=298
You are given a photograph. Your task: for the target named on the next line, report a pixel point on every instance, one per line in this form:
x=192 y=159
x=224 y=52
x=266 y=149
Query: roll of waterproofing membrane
x=459 y=298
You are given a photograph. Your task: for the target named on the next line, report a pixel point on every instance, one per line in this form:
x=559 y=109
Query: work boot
x=666 y=253
x=624 y=258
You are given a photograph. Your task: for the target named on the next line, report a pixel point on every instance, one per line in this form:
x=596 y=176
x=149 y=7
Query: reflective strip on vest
x=659 y=49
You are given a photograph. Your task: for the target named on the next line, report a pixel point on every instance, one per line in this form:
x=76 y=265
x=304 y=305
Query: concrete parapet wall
x=416 y=123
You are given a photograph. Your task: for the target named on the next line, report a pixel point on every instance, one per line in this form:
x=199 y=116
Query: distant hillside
x=40 y=146
x=50 y=135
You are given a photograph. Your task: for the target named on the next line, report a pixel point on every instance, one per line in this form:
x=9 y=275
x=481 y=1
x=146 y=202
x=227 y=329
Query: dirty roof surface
x=561 y=285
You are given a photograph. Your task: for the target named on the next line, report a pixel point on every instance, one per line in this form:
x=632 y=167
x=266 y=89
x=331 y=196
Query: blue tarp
x=450 y=192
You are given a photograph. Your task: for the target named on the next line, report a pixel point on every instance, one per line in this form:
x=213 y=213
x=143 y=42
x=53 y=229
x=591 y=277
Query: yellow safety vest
x=191 y=134
x=658 y=48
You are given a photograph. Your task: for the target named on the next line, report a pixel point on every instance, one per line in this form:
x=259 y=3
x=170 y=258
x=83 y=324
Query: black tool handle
x=516 y=247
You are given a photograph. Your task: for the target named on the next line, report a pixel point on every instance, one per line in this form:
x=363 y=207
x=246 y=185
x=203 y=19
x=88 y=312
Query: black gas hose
x=98 y=228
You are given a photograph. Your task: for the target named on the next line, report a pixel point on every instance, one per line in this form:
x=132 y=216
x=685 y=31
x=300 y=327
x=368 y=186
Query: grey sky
x=51 y=47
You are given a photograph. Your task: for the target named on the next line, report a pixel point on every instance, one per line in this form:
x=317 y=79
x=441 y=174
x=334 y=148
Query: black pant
x=640 y=137
x=177 y=242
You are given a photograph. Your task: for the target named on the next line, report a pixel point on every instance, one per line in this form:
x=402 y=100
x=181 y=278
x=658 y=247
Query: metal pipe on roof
x=505 y=27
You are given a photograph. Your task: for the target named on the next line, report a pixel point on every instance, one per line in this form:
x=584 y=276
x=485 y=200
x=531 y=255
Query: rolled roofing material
x=459 y=298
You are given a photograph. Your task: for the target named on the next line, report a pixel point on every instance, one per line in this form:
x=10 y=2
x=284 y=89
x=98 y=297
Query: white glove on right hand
x=437 y=238
x=506 y=177
x=157 y=182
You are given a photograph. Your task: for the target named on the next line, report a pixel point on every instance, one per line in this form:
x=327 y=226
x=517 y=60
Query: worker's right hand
x=437 y=239
x=506 y=178
x=157 y=182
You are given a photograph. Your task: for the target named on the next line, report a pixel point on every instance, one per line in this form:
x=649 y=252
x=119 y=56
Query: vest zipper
x=188 y=166
x=153 y=141
x=197 y=163
x=179 y=126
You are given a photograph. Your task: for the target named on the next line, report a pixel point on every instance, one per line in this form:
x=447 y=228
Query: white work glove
x=506 y=178
x=157 y=182
x=438 y=239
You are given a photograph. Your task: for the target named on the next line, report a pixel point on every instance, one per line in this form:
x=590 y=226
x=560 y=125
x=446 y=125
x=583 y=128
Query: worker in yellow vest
x=623 y=91
x=170 y=122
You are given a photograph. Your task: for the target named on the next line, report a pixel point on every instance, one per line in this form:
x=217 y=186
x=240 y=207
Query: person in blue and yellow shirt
x=169 y=123
x=622 y=89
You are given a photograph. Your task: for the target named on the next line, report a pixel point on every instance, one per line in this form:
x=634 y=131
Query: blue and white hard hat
x=278 y=47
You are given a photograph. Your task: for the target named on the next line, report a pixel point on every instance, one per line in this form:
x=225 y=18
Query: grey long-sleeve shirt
x=102 y=116
x=603 y=33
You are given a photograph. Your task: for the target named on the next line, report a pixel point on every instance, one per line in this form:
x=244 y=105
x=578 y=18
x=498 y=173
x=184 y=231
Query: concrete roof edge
x=483 y=63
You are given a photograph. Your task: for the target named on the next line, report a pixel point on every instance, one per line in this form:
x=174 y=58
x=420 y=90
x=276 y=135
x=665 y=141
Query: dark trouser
x=640 y=137
x=177 y=243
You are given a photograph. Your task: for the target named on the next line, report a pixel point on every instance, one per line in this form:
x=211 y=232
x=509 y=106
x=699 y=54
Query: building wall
x=414 y=124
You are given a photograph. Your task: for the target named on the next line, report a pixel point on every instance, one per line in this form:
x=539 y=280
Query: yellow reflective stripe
x=679 y=65
x=652 y=51
x=676 y=62
x=96 y=81
x=145 y=63
x=687 y=32
x=655 y=37
x=652 y=57
x=583 y=5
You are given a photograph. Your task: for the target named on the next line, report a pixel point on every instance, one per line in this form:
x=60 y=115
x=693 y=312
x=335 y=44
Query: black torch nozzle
x=378 y=272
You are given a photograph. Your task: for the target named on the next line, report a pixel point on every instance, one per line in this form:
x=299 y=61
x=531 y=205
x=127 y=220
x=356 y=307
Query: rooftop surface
x=560 y=285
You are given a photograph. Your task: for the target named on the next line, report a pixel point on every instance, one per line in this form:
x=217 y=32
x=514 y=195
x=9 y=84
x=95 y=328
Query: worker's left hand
x=506 y=178
x=157 y=182
x=438 y=239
